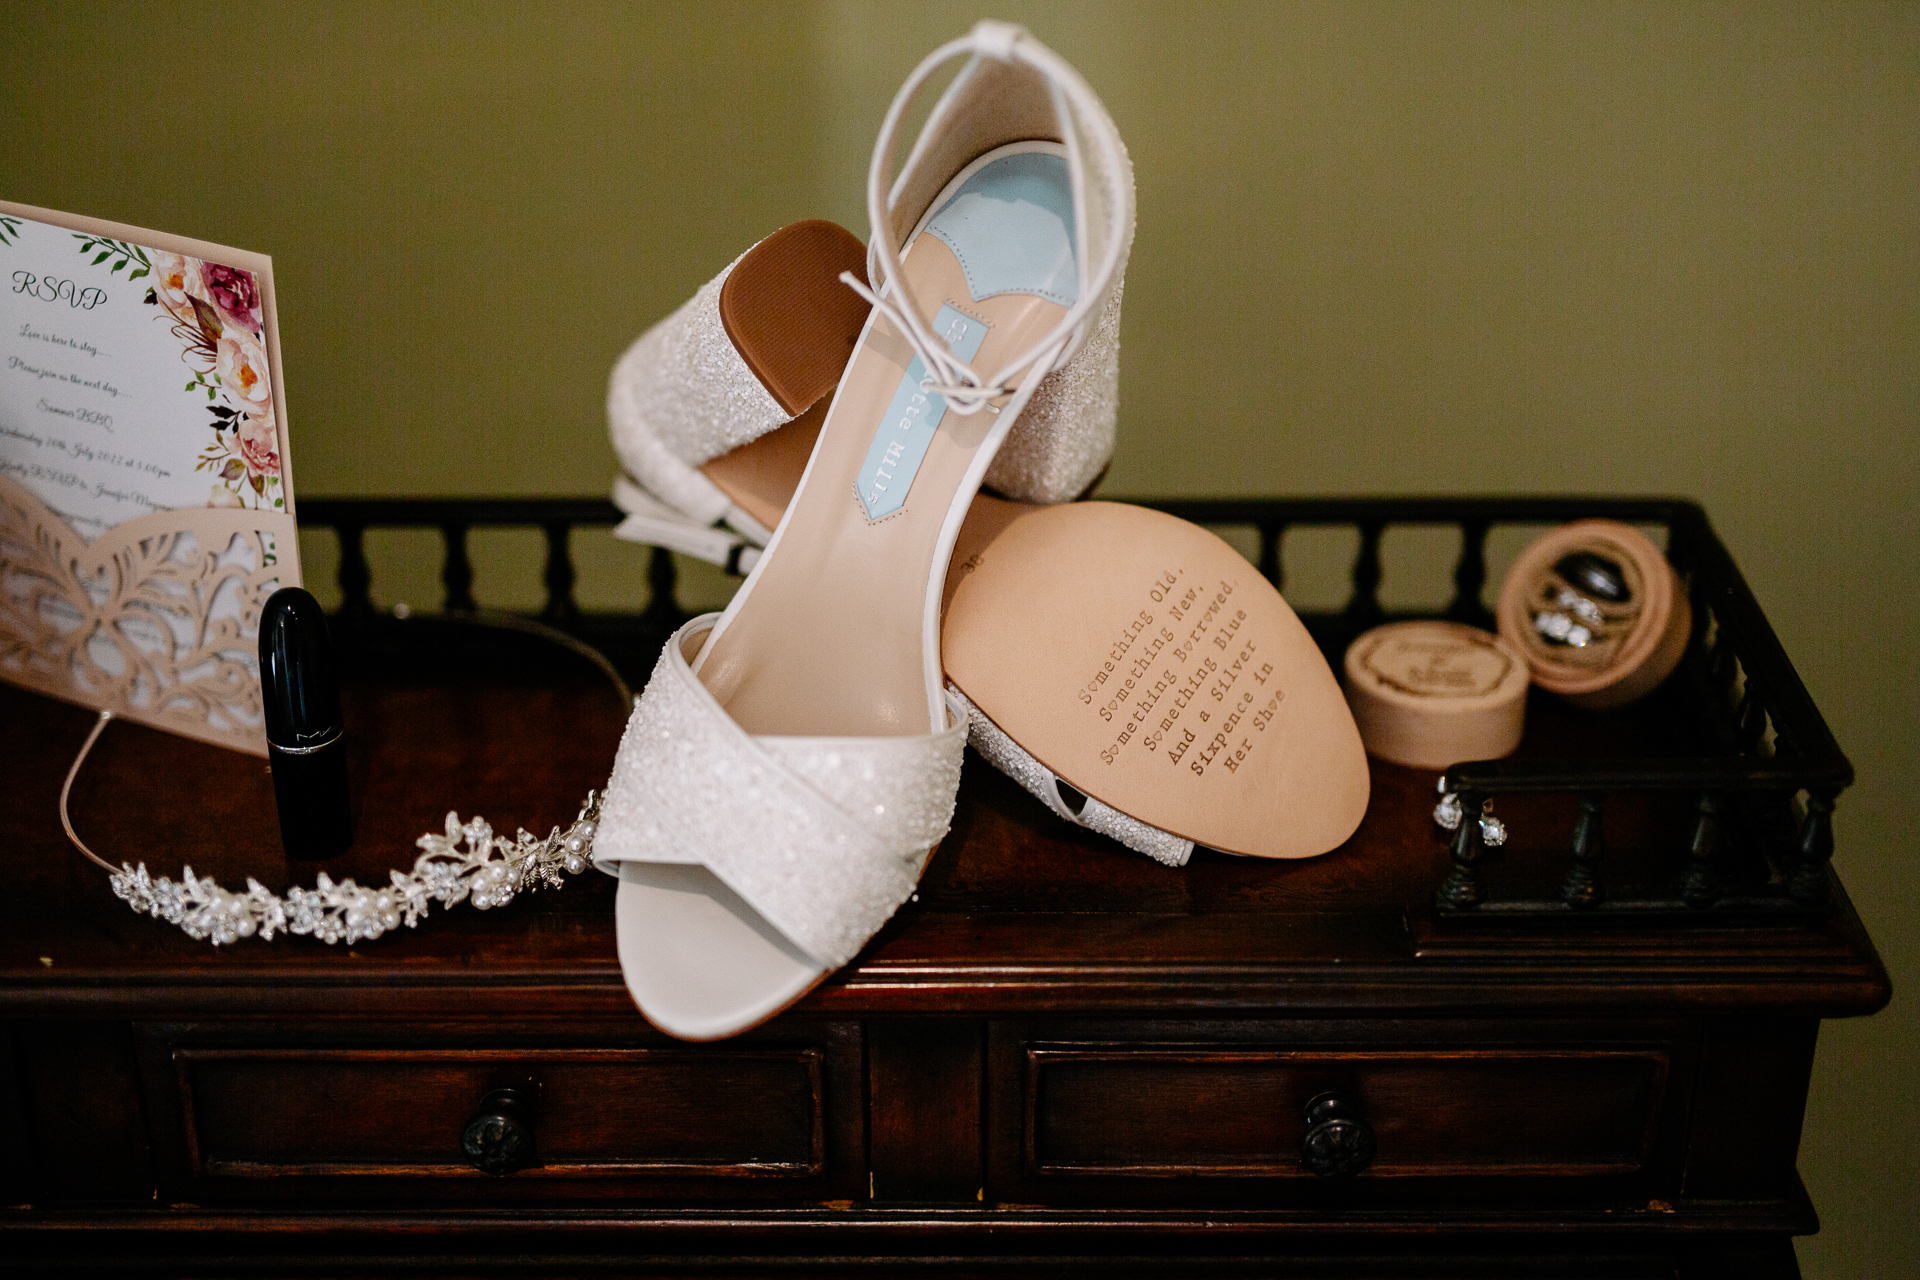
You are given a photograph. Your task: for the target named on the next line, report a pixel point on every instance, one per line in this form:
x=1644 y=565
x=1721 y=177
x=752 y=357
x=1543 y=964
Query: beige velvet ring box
x=1431 y=694
x=1599 y=613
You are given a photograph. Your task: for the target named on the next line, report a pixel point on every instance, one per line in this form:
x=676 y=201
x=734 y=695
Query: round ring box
x=1431 y=694
x=1599 y=613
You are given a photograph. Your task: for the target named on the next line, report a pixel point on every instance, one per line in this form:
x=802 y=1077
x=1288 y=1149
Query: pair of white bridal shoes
x=794 y=760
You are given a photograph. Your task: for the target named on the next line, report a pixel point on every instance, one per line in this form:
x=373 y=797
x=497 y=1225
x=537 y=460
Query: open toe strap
x=1008 y=756
x=824 y=837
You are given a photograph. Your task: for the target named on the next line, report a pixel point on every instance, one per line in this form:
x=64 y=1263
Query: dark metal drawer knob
x=1339 y=1143
x=499 y=1138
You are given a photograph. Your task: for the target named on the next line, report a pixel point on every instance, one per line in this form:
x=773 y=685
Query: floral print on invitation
x=215 y=312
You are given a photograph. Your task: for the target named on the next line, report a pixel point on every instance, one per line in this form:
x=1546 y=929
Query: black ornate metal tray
x=1727 y=775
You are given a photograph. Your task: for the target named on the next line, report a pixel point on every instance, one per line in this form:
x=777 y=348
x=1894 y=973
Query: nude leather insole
x=828 y=640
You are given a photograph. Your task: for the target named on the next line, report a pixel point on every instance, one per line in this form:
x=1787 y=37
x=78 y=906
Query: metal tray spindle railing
x=1766 y=768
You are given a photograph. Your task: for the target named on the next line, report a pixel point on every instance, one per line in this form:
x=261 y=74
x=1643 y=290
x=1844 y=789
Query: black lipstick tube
x=306 y=744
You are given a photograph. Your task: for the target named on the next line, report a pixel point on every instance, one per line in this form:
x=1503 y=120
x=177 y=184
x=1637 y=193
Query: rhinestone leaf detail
x=488 y=872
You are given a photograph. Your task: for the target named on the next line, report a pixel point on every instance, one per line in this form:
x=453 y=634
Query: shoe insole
x=701 y=962
x=826 y=637
x=1137 y=656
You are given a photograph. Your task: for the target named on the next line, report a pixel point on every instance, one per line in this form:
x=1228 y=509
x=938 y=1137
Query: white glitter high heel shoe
x=793 y=761
x=782 y=324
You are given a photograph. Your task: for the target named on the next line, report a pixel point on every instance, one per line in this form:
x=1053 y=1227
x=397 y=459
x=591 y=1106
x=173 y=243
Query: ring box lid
x=1430 y=693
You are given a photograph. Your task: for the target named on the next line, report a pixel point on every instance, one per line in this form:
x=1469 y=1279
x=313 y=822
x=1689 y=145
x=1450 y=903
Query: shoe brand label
x=900 y=445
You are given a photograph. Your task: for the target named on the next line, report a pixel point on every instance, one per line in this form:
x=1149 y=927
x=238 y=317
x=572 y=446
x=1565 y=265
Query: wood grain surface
x=1018 y=911
x=1061 y=1054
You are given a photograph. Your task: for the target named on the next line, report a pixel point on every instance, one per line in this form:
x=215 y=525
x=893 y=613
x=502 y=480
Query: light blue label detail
x=1011 y=227
x=900 y=445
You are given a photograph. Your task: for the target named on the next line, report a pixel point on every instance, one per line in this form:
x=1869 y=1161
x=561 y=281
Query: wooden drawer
x=737 y=1121
x=1129 y=1121
x=1240 y=1113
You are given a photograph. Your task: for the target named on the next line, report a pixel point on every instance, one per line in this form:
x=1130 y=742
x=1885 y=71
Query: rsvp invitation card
x=146 y=504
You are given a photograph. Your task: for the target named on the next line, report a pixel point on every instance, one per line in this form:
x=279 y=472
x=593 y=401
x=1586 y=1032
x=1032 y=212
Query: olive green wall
x=1477 y=248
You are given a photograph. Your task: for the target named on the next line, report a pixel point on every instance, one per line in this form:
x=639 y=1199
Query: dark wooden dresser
x=1061 y=1055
